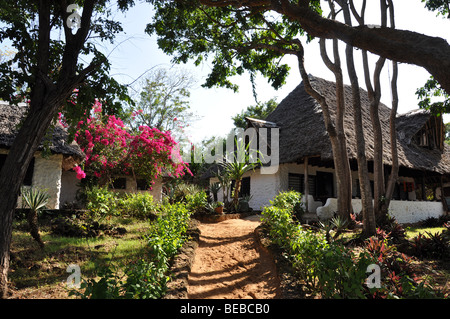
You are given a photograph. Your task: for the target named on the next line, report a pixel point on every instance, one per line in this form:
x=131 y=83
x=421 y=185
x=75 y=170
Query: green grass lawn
x=38 y=272
x=413 y=231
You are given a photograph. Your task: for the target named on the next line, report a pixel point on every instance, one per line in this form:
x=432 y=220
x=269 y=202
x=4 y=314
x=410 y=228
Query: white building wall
x=69 y=187
x=263 y=188
x=47 y=175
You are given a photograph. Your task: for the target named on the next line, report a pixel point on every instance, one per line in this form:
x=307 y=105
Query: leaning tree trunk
x=46 y=97
x=338 y=138
x=368 y=216
x=13 y=173
x=392 y=128
x=33 y=226
x=339 y=149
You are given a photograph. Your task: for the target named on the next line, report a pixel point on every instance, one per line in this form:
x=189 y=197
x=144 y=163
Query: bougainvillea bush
x=113 y=150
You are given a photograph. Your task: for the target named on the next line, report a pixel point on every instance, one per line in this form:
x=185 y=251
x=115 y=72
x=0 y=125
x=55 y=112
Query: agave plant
x=35 y=199
x=214 y=188
x=242 y=161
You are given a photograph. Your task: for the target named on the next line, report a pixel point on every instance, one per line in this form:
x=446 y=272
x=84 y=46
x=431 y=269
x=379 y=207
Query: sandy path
x=229 y=264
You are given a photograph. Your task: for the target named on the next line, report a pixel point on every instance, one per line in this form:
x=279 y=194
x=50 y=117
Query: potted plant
x=219 y=208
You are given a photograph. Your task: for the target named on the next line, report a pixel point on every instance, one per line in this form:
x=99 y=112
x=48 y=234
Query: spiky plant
x=35 y=199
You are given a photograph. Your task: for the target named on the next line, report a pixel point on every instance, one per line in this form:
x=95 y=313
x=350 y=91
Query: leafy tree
x=432 y=95
x=258 y=111
x=441 y=6
x=163 y=102
x=404 y=46
x=55 y=53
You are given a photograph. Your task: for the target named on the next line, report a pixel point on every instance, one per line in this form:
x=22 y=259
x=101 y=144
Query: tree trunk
x=368 y=216
x=340 y=156
x=393 y=131
x=13 y=173
x=237 y=187
x=33 y=226
x=306 y=183
x=338 y=141
x=393 y=137
x=378 y=165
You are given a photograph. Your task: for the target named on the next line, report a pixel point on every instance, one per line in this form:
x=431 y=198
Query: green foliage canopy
x=258 y=111
x=233 y=40
x=21 y=31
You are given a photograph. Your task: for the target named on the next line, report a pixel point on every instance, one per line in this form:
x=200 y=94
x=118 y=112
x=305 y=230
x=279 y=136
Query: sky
x=135 y=53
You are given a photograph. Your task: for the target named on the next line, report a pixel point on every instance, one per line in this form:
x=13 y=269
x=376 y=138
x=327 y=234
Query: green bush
x=139 y=205
x=341 y=274
x=197 y=201
x=334 y=271
x=328 y=269
x=101 y=202
x=290 y=200
x=167 y=232
x=280 y=224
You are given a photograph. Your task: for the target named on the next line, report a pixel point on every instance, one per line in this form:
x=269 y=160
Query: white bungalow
x=305 y=151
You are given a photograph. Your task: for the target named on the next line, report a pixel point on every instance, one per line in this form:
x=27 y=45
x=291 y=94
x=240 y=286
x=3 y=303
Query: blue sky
x=137 y=52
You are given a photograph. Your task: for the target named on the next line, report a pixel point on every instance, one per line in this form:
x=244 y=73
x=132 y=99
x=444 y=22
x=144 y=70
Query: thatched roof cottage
x=305 y=149
x=53 y=173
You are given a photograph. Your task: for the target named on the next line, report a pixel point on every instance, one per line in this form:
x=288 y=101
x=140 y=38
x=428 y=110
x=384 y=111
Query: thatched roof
x=303 y=133
x=10 y=119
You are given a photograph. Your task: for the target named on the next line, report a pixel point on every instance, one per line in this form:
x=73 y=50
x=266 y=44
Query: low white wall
x=403 y=211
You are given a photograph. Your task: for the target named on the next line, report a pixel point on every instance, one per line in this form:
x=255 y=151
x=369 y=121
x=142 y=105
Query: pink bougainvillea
x=112 y=150
x=80 y=173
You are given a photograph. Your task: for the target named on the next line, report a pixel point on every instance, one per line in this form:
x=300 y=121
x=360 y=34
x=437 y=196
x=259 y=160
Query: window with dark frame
x=296 y=182
x=120 y=183
x=142 y=184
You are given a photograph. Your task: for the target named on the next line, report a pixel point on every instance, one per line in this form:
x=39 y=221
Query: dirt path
x=229 y=264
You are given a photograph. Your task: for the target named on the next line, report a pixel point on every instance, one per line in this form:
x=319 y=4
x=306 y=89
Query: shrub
x=139 y=205
x=100 y=201
x=181 y=191
x=167 y=232
x=329 y=269
x=145 y=280
x=290 y=200
x=431 y=246
x=341 y=274
x=280 y=224
x=196 y=202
